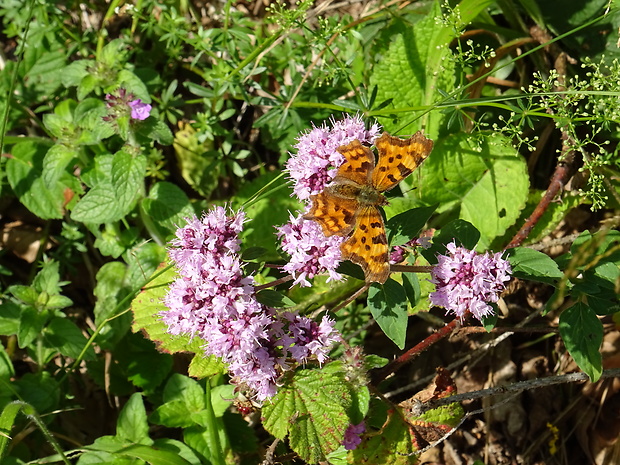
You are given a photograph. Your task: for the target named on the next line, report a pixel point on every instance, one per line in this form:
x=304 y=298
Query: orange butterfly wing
x=349 y=204
x=398 y=158
x=335 y=214
x=367 y=246
x=358 y=166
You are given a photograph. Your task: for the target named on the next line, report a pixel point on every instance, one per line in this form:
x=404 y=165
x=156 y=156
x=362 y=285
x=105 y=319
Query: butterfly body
x=349 y=205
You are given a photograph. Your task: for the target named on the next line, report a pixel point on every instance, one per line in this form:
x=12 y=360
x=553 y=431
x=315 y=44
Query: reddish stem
x=559 y=178
x=417 y=350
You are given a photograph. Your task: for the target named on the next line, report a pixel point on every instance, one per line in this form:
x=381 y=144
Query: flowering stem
x=411 y=269
x=277 y=282
x=416 y=350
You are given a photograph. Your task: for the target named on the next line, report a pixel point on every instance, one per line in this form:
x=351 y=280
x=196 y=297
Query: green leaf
x=388 y=305
x=132 y=425
x=9 y=318
x=99 y=205
x=152 y=455
x=40 y=390
x=182 y=397
x=481 y=176
x=417 y=62
x=24 y=173
x=272 y=298
x=116 y=183
x=133 y=84
x=75 y=72
x=148 y=369
x=203 y=366
x=156 y=130
x=166 y=208
x=64 y=336
x=55 y=163
x=393 y=446
x=534 y=265
x=461 y=232
x=147 y=307
x=31 y=324
x=199 y=164
x=582 y=333
x=407 y=225
x=9 y=412
x=178 y=448
x=127 y=175
x=311 y=408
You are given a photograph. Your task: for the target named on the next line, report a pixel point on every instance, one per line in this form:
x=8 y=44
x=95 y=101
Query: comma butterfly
x=349 y=205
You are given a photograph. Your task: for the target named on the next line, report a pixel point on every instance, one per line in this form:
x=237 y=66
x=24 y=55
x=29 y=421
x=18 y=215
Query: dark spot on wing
x=380 y=239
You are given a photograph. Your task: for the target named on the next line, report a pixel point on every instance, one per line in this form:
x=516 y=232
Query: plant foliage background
x=520 y=98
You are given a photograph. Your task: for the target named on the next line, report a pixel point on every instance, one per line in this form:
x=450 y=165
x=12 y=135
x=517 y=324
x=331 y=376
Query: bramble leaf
x=311 y=408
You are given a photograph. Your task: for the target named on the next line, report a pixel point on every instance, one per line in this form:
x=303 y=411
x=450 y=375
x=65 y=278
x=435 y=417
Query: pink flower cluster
x=311 y=168
x=213 y=300
x=466 y=280
x=310 y=252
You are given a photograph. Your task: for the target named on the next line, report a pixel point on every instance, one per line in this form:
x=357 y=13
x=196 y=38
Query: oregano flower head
x=311 y=253
x=212 y=299
x=311 y=168
x=466 y=280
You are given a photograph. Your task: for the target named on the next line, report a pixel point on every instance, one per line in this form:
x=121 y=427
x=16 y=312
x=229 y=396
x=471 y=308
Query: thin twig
x=519 y=387
x=416 y=350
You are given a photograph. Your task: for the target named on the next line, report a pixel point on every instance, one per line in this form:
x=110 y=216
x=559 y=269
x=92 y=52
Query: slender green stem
x=217 y=454
x=9 y=94
x=459 y=90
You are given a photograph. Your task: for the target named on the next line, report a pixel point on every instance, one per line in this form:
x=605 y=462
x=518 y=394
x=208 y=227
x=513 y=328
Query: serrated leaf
x=133 y=84
x=147 y=370
x=203 y=366
x=55 y=163
x=311 y=408
x=417 y=62
x=388 y=305
x=582 y=333
x=127 y=177
x=393 y=446
x=534 y=265
x=75 y=72
x=152 y=455
x=156 y=130
x=24 y=173
x=481 y=176
x=187 y=390
x=99 y=205
x=31 y=324
x=147 y=307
